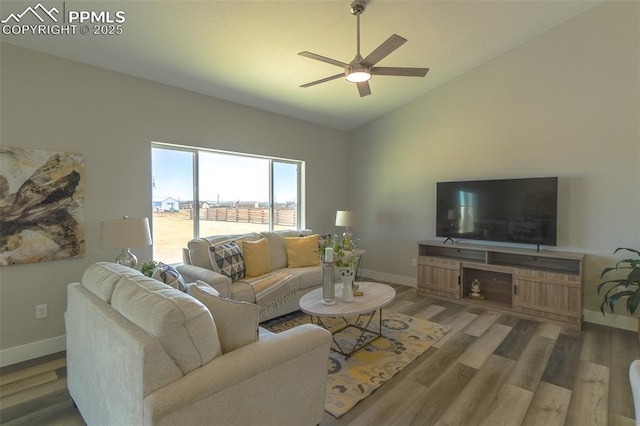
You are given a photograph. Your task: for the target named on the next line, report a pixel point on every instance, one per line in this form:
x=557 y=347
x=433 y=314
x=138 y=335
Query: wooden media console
x=541 y=284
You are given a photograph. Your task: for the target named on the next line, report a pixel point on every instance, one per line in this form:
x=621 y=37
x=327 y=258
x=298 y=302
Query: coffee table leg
x=360 y=341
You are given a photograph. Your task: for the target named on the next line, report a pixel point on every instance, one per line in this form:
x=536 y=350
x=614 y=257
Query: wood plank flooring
x=490 y=369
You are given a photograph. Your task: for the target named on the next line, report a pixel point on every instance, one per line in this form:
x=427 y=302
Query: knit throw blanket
x=273 y=290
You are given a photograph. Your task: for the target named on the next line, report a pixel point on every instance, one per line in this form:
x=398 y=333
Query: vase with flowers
x=345 y=262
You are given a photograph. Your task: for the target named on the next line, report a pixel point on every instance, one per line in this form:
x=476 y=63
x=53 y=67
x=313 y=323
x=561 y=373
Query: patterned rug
x=352 y=380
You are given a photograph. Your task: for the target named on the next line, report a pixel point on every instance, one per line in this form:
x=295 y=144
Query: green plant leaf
x=621 y=288
x=620 y=281
x=627 y=249
x=632 y=302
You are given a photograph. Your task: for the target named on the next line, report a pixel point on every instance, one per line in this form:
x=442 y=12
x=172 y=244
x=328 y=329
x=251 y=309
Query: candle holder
x=328 y=284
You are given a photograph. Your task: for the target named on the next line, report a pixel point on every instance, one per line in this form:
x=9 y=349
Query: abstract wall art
x=41 y=205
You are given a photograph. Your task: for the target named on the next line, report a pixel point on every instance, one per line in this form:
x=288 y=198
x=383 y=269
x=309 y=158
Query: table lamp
x=346 y=218
x=123 y=234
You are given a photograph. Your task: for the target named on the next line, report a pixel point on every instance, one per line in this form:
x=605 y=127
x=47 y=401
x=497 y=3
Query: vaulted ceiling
x=246 y=51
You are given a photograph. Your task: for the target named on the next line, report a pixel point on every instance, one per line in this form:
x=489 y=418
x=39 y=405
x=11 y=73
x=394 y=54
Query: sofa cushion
x=302 y=251
x=227 y=259
x=170 y=276
x=308 y=276
x=257 y=260
x=277 y=248
x=101 y=278
x=184 y=327
x=237 y=322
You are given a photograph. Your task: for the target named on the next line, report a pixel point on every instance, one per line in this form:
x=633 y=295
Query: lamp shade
x=125 y=233
x=345 y=218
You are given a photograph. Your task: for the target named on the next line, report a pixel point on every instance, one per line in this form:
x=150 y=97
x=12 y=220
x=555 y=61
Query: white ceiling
x=246 y=51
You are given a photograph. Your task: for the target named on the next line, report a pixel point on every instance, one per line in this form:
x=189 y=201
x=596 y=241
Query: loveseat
x=140 y=352
x=291 y=256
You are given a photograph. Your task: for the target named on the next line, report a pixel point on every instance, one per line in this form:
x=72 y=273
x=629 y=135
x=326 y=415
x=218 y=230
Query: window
x=200 y=192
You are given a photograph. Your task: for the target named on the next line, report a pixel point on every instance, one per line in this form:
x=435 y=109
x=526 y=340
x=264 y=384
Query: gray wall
x=55 y=104
x=565 y=104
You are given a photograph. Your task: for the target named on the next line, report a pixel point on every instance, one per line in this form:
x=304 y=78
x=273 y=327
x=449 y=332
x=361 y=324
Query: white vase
x=347 y=283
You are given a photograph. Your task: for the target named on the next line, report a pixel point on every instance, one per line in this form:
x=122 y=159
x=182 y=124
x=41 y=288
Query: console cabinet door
x=439 y=276
x=550 y=295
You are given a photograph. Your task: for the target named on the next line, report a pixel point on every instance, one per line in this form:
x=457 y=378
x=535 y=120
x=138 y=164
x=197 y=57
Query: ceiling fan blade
x=323 y=59
x=364 y=89
x=313 y=83
x=400 y=72
x=382 y=51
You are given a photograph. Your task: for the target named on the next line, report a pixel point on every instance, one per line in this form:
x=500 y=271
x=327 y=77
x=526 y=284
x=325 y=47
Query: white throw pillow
x=236 y=321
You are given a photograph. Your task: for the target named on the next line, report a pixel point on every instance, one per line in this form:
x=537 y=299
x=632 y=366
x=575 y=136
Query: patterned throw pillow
x=169 y=275
x=228 y=260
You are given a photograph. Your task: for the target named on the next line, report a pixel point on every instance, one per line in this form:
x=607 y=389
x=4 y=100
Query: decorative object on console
x=123 y=234
x=42 y=201
x=475 y=290
x=346 y=218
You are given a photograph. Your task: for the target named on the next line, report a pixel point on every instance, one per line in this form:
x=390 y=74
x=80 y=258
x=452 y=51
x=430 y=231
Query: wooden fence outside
x=285 y=217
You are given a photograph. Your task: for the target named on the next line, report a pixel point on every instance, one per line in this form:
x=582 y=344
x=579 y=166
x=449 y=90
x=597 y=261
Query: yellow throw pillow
x=302 y=251
x=257 y=260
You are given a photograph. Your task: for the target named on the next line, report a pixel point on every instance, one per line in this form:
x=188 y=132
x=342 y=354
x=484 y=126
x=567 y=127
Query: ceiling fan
x=361 y=69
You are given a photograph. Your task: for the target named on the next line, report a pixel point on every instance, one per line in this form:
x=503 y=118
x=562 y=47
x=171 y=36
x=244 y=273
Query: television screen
x=507 y=210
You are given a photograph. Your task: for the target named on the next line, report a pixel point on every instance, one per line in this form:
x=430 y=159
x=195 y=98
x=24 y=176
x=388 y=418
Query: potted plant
x=147 y=268
x=622 y=288
x=342 y=259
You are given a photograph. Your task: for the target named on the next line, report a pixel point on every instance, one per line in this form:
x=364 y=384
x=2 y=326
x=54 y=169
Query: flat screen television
x=522 y=211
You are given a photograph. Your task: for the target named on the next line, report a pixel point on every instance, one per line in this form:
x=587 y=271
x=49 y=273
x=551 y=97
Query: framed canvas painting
x=41 y=205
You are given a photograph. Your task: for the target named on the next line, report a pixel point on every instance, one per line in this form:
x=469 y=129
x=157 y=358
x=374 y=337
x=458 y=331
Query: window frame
x=195 y=151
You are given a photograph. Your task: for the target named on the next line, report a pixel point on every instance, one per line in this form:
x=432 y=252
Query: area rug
x=352 y=380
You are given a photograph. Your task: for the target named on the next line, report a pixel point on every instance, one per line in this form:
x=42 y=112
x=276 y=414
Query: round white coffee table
x=375 y=297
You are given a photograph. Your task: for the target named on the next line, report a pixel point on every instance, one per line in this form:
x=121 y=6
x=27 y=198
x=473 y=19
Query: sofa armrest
x=277 y=380
x=192 y=273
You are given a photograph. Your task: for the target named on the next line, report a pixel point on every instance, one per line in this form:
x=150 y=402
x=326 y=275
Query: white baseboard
x=611 y=320
x=32 y=350
x=391 y=278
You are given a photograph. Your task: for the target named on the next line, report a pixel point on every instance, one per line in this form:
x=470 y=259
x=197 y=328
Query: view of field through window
x=233 y=196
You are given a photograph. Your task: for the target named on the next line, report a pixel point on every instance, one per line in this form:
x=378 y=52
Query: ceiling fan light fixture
x=358 y=74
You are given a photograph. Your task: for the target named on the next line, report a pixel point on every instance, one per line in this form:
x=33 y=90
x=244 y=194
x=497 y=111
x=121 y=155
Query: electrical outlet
x=41 y=311
x=414 y=262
